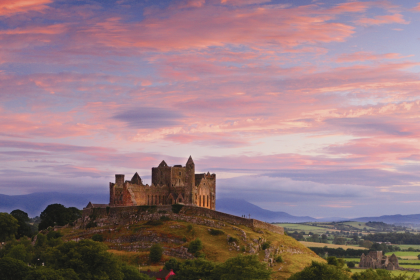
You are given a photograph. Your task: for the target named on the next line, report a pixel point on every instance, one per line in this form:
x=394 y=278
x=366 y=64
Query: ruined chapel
x=375 y=260
x=170 y=185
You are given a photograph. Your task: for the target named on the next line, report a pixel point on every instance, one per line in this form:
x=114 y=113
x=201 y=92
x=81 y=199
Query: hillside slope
x=131 y=241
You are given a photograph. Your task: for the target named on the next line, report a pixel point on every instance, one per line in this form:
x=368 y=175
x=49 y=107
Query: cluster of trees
x=395 y=238
x=52 y=259
x=338 y=252
x=17 y=224
x=240 y=267
x=335 y=270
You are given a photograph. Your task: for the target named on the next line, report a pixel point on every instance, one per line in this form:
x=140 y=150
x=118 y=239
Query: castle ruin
x=375 y=260
x=170 y=185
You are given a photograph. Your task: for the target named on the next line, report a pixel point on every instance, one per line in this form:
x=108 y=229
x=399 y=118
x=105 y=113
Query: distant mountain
x=392 y=219
x=35 y=203
x=241 y=207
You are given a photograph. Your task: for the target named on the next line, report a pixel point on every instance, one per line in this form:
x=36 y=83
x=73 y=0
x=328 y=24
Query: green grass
x=305 y=228
x=359 y=225
x=402 y=254
x=406 y=246
x=393 y=272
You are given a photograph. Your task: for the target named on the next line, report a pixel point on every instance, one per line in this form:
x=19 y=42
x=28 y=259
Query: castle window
x=180 y=173
x=207 y=201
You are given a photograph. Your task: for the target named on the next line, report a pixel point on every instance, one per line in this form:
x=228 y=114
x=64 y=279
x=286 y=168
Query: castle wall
x=130 y=214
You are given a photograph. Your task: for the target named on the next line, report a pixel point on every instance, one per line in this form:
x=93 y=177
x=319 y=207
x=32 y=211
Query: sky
x=307 y=107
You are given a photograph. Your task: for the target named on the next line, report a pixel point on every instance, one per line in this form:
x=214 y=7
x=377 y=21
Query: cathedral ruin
x=375 y=260
x=170 y=185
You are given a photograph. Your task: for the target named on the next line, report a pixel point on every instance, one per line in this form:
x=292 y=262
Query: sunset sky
x=307 y=107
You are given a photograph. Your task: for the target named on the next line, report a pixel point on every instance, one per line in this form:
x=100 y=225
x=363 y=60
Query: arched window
x=208 y=205
x=148 y=200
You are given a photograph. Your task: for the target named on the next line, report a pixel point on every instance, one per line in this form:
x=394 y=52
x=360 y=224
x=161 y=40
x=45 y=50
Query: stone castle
x=170 y=185
x=375 y=260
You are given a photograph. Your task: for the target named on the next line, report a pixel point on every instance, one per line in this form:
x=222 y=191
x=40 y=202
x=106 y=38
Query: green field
x=305 y=228
x=394 y=272
x=358 y=225
x=405 y=255
x=406 y=246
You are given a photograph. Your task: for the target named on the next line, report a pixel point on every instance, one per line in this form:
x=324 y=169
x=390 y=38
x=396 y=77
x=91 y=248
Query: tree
x=156 y=252
x=19 y=252
x=195 y=269
x=132 y=273
x=195 y=246
x=172 y=264
x=58 y=215
x=339 y=240
x=351 y=264
x=8 y=226
x=89 y=259
x=320 y=271
x=242 y=267
x=44 y=273
x=12 y=269
x=25 y=228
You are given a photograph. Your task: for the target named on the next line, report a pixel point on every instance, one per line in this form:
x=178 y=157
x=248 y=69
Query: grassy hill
x=131 y=242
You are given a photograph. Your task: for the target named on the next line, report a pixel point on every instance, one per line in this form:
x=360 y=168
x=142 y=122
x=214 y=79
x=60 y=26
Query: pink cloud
x=417 y=8
x=379 y=20
x=9 y=7
x=364 y=56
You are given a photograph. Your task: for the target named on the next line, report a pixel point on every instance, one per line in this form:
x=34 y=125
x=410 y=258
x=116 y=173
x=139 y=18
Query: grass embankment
x=216 y=247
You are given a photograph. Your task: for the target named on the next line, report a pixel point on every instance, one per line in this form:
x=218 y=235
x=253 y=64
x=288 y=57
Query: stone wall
x=130 y=214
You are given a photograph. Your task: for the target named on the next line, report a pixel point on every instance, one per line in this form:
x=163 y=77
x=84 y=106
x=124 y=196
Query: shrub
x=195 y=246
x=266 y=245
x=156 y=252
x=172 y=264
x=279 y=259
x=176 y=208
x=232 y=239
x=98 y=237
x=165 y=218
x=216 y=232
x=189 y=228
x=351 y=264
x=154 y=223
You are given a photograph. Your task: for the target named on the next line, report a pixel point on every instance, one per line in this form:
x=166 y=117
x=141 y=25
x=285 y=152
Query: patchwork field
x=314 y=244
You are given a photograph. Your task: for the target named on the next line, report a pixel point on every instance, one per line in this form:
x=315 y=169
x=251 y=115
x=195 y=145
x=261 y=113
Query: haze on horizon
x=307 y=107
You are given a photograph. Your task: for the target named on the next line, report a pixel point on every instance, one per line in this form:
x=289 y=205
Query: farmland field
x=314 y=244
x=306 y=228
x=394 y=272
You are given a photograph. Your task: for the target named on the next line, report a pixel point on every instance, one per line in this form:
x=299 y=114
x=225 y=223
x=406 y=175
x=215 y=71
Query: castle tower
x=190 y=180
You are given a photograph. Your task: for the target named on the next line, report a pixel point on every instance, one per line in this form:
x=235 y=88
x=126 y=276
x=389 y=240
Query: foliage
x=351 y=264
x=132 y=273
x=165 y=218
x=195 y=246
x=266 y=245
x=335 y=262
x=232 y=239
x=8 y=226
x=172 y=264
x=11 y=269
x=154 y=223
x=44 y=273
x=339 y=240
x=379 y=274
x=394 y=238
x=216 y=231
x=156 y=252
x=98 y=237
x=279 y=259
x=176 y=208
x=89 y=259
x=195 y=269
x=57 y=214
x=339 y=252
x=25 y=229
x=320 y=271
x=242 y=267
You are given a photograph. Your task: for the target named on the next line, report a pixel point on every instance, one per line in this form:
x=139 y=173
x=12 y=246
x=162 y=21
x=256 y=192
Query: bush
x=98 y=237
x=278 y=259
x=321 y=271
x=242 y=267
x=189 y=228
x=172 y=264
x=176 y=208
x=232 y=239
x=266 y=245
x=165 y=218
x=351 y=264
x=195 y=246
x=154 y=223
x=156 y=252
x=216 y=232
